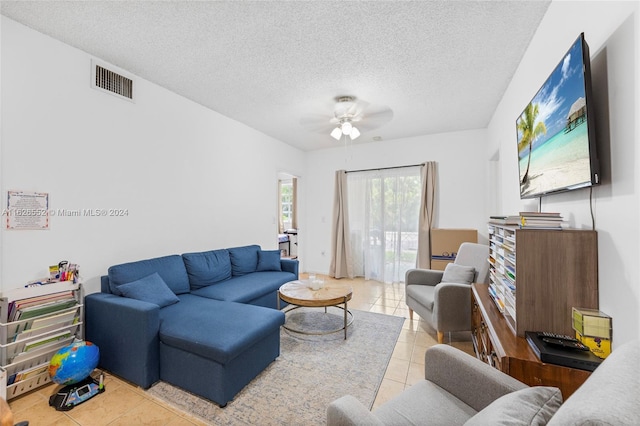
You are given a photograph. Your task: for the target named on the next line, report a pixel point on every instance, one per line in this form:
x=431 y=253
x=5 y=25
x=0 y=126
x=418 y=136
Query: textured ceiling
x=440 y=66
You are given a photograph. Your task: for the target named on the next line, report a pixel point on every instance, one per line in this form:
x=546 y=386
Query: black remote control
x=565 y=344
x=543 y=334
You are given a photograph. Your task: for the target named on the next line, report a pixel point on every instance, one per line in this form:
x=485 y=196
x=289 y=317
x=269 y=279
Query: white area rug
x=312 y=371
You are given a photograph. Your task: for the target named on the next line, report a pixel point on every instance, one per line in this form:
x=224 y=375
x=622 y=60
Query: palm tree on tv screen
x=530 y=130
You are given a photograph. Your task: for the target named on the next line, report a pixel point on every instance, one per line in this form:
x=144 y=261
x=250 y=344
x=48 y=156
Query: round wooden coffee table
x=299 y=294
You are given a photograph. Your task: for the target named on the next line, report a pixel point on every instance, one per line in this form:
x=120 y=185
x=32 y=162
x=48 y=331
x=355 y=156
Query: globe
x=74 y=363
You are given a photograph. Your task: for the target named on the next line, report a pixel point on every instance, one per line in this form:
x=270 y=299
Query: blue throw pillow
x=207 y=268
x=170 y=268
x=152 y=289
x=244 y=260
x=269 y=260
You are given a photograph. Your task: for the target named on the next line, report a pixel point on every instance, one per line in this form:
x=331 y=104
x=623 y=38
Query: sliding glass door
x=383 y=218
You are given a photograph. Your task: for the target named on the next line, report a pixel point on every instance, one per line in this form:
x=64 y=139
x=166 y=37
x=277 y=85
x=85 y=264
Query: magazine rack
x=35 y=322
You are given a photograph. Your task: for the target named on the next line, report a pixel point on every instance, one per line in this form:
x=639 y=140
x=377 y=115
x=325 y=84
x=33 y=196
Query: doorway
x=288 y=215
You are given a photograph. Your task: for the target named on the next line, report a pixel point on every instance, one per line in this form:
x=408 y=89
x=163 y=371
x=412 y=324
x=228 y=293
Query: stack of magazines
x=513 y=220
x=540 y=220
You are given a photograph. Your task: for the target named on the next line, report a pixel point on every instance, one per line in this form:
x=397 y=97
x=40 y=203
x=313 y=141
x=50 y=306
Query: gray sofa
x=460 y=390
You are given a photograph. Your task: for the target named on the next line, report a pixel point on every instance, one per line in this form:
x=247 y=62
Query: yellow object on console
x=591 y=322
x=599 y=346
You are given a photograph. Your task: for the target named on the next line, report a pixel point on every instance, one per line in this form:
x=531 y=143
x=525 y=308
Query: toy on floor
x=71 y=395
x=71 y=367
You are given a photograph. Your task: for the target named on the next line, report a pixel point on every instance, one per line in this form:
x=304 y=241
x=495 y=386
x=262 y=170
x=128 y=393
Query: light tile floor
x=126 y=404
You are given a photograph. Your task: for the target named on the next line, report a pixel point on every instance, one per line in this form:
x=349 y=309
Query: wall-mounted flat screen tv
x=556 y=137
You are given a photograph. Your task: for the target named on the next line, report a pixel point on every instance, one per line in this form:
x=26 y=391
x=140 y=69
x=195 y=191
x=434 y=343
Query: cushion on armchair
x=458 y=274
x=531 y=406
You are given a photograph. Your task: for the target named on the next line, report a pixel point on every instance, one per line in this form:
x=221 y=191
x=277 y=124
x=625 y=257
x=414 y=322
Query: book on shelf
x=40 y=299
x=16 y=306
x=533 y=223
x=510 y=298
x=548 y=226
x=27 y=373
x=510 y=272
x=50 y=347
x=540 y=220
x=505 y=220
x=508 y=285
x=46 y=324
x=47 y=340
x=541 y=224
x=496 y=298
x=63 y=318
x=510 y=311
x=45 y=308
x=540 y=214
x=30 y=348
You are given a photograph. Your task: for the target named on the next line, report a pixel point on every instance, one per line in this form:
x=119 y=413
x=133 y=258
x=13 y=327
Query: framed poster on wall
x=27 y=210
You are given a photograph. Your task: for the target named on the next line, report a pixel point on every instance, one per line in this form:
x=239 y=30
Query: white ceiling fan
x=351 y=117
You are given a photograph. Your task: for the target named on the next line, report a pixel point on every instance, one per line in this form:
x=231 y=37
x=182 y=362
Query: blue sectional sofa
x=206 y=322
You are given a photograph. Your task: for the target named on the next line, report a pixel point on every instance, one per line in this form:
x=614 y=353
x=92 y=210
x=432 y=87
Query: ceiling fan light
x=346 y=128
x=336 y=133
x=354 y=133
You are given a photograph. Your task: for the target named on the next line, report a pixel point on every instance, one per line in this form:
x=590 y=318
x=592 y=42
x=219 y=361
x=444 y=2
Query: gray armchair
x=443 y=298
x=460 y=389
x=455 y=388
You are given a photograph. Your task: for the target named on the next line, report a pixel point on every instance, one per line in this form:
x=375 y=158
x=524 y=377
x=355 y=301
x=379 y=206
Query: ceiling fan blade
x=358 y=109
x=374 y=119
x=318 y=123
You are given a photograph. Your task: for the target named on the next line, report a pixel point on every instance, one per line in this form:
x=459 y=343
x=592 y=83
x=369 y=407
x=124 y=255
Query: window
x=287 y=204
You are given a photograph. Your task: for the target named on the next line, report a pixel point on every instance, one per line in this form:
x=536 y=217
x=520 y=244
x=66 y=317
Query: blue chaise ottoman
x=214 y=348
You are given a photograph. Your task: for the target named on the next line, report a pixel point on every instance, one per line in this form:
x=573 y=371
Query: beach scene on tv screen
x=553 y=143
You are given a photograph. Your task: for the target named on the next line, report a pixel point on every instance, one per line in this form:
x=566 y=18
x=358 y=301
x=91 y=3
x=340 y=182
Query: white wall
x=461 y=181
x=191 y=179
x=611 y=30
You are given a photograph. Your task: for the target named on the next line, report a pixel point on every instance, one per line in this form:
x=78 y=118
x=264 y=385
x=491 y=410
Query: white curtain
x=383 y=216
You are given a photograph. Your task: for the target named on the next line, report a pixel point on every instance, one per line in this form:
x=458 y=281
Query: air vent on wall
x=112 y=82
